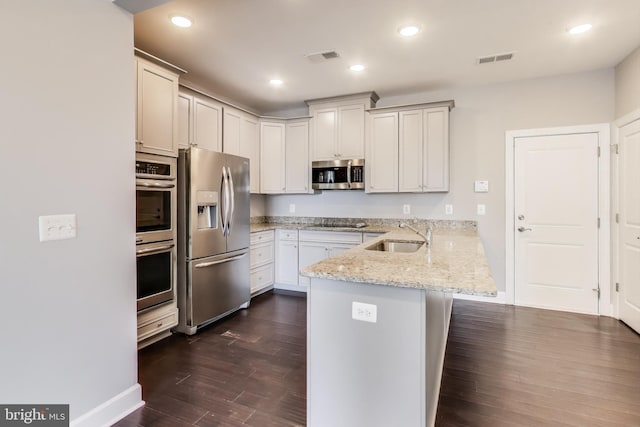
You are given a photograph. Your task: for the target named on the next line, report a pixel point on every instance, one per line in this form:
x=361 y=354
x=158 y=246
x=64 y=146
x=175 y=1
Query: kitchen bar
x=377 y=326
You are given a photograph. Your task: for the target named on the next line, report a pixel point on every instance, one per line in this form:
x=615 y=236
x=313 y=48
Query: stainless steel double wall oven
x=156 y=211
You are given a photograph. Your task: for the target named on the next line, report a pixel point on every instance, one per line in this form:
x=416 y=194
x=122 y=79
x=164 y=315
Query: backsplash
x=351 y=222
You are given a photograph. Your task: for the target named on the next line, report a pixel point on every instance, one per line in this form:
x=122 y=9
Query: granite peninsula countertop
x=455 y=263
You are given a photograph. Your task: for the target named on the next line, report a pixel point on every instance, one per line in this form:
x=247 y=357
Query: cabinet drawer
x=261 y=254
x=158 y=325
x=261 y=277
x=261 y=237
x=331 y=236
x=287 y=234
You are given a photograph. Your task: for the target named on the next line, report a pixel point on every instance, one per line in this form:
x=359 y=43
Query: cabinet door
x=287 y=262
x=272 y=158
x=250 y=148
x=436 y=149
x=185 y=103
x=310 y=253
x=207 y=123
x=325 y=134
x=231 y=131
x=157 y=110
x=338 y=248
x=382 y=153
x=351 y=132
x=410 y=151
x=297 y=157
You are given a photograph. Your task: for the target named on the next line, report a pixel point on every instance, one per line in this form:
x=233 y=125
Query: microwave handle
x=349 y=173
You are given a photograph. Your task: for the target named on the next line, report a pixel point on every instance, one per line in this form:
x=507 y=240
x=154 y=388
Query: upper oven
x=156 y=198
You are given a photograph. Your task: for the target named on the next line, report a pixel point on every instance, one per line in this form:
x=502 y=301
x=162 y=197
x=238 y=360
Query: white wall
x=478 y=125
x=628 y=84
x=67 y=310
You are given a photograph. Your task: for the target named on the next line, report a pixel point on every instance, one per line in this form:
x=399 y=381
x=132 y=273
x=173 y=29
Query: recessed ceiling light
x=181 y=21
x=357 y=67
x=409 y=30
x=276 y=82
x=578 y=29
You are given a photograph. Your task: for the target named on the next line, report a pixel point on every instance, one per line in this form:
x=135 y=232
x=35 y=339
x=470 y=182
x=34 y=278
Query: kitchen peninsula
x=377 y=326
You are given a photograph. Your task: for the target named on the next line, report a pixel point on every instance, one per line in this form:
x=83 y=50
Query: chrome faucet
x=426 y=236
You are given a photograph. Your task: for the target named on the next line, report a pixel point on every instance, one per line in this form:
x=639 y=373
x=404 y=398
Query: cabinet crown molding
x=334 y=99
x=449 y=103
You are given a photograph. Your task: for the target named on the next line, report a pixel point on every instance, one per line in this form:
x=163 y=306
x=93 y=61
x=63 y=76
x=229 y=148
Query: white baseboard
x=113 y=410
x=501 y=298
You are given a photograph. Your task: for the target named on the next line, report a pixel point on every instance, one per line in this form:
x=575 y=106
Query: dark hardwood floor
x=504 y=366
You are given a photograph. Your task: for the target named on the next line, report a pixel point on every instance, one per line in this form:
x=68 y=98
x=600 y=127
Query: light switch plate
x=57 y=227
x=482 y=209
x=364 y=312
x=481 y=187
x=406 y=209
x=448 y=209
x=292 y=208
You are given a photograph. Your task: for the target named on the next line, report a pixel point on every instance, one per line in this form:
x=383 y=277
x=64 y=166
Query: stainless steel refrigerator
x=213 y=237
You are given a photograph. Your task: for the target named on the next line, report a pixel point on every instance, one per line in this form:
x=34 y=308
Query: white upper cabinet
x=272 y=157
x=381 y=163
x=338 y=126
x=199 y=122
x=297 y=157
x=415 y=158
x=156 y=109
x=351 y=132
x=241 y=137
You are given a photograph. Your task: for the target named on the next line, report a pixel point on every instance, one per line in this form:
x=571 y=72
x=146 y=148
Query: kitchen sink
x=395 y=246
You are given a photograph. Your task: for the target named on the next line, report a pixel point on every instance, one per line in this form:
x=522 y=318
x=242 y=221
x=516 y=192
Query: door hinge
x=617 y=218
x=598 y=151
x=617 y=148
x=617 y=287
x=597 y=290
x=598 y=222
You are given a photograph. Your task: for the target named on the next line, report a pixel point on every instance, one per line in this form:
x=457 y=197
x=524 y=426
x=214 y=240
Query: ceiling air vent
x=322 y=56
x=496 y=58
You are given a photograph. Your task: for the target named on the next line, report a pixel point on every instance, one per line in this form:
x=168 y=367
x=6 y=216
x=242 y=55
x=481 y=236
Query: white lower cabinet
x=314 y=246
x=261 y=252
x=155 y=323
x=287 y=259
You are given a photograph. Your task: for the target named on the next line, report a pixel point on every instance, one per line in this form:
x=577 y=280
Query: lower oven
x=155 y=263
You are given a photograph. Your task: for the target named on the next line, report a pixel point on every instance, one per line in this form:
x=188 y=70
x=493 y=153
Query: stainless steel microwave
x=338 y=175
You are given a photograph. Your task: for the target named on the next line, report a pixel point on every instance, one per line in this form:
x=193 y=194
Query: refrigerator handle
x=223 y=203
x=232 y=203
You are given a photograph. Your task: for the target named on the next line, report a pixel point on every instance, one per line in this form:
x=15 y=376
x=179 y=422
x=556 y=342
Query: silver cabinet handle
x=522 y=229
x=209 y=264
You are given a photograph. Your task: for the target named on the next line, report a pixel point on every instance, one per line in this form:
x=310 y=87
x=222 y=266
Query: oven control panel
x=153 y=168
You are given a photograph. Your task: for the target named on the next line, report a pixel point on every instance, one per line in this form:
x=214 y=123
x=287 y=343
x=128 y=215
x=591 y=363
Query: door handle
x=522 y=229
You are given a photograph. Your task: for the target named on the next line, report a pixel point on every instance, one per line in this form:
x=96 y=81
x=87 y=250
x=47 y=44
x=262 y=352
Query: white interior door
x=629 y=183
x=556 y=222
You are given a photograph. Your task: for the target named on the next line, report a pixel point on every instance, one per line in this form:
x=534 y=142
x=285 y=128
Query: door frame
x=605 y=304
x=615 y=192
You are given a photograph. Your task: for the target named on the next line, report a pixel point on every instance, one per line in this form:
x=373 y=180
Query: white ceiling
x=235 y=47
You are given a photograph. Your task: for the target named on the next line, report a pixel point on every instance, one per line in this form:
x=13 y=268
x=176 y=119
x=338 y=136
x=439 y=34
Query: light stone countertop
x=455 y=263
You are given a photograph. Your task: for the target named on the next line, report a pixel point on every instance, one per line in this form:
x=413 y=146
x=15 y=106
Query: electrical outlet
x=481 y=210
x=292 y=208
x=364 y=312
x=448 y=209
x=406 y=209
x=57 y=227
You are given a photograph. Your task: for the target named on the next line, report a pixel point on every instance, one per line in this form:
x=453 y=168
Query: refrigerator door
x=217 y=286
x=239 y=205
x=206 y=204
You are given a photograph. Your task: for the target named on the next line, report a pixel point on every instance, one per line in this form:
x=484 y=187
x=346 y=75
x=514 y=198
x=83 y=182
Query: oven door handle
x=148 y=184
x=209 y=264
x=154 y=250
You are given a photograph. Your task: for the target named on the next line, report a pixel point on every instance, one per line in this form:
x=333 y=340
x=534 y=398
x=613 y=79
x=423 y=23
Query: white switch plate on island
x=364 y=312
